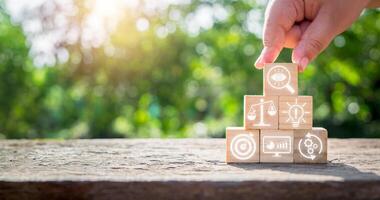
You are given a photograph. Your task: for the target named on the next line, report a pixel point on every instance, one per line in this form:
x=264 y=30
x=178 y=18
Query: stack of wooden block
x=278 y=126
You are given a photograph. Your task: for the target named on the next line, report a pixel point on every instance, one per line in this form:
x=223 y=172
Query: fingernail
x=297 y=54
x=259 y=62
x=296 y=58
x=304 y=62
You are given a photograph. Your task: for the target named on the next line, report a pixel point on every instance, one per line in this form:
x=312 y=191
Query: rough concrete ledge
x=179 y=169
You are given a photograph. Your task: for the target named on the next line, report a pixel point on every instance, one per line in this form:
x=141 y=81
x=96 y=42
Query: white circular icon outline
x=308 y=143
x=287 y=75
x=243 y=139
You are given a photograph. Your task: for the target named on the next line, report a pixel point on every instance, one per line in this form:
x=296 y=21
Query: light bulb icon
x=296 y=113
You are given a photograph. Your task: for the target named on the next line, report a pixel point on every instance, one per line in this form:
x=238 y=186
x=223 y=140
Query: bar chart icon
x=277 y=145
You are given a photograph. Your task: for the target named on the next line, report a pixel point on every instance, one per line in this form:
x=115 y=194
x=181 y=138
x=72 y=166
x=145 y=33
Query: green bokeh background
x=176 y=84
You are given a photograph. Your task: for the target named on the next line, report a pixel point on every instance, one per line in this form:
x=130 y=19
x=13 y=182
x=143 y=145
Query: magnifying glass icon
x=290 y=88
x=279 y=78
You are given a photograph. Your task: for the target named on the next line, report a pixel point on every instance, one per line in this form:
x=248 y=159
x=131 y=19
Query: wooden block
x=310 y=146
x=242 y=145
x=280 y=79
x=260 y=112
x=296 y=112
x=276 y=146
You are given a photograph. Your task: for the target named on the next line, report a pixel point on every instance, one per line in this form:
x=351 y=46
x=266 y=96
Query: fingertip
x=297 y=55
x=303 y=64
x=268 y=55
x=259 y=63
x=300 y=70
x=259 y=66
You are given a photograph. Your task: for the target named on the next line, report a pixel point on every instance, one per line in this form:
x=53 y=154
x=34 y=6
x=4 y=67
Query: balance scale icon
x=252 y=115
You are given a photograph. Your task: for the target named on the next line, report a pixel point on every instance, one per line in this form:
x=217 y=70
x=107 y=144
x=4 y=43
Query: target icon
x=243 y=146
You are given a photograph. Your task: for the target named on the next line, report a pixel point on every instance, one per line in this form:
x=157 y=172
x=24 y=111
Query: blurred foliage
x=153 y=76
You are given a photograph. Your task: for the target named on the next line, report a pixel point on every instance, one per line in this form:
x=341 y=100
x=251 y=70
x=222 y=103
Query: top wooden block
x=280 y=79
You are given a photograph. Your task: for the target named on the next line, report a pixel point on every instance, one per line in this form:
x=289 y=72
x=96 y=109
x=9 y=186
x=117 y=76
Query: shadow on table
x=344 y=171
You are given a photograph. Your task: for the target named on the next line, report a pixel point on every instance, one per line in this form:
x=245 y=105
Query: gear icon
x=310 y=146
x=308 y=143
x=310 y=151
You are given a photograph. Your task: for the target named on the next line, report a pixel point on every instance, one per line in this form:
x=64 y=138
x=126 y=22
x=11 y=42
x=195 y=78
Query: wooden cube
x=276 y=146
x=310 y=146
x=260 y=112
x=242 y=145
x=280 y=79
x=296 y=112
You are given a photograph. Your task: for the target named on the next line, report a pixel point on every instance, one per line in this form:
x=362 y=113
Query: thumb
x=314 y=40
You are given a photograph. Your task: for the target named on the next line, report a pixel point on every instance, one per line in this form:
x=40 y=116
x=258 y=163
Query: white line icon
x=279 y=78
x=252 y=115
x=296 y=113
x=243 y=146
x=277 y=145
x=313 y=145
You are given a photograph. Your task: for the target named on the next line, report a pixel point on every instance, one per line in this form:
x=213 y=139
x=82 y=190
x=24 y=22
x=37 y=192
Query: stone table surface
x=179 y=169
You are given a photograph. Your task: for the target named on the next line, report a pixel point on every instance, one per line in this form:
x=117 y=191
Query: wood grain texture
x=276 y=146
x=261 y=112
x=179 y=169
x=310 y=146
x=280 y=79
x=242 y=146
x=289 y=119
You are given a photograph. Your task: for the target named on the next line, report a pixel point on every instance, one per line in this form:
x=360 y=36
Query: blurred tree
x=92 y=70
x=15 y=71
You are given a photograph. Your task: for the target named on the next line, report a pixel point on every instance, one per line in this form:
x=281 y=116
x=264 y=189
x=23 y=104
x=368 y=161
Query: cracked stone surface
x=179 y=169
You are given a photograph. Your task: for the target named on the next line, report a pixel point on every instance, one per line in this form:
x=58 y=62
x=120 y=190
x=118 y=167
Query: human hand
x=307 y=26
